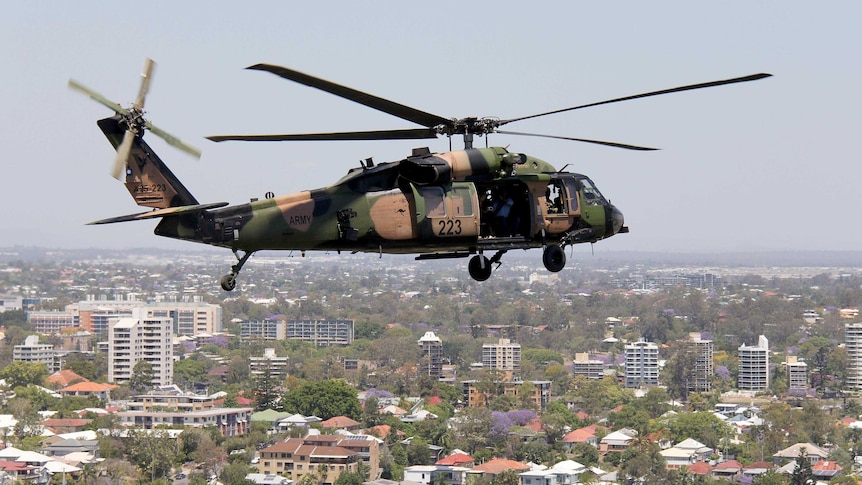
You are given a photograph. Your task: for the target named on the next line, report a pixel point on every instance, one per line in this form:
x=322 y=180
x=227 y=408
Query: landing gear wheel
x=228 y=282
x=479 y=268
x=554 y=258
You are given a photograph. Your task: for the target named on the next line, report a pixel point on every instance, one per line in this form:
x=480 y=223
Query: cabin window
x=462 y=202
x=434 y=206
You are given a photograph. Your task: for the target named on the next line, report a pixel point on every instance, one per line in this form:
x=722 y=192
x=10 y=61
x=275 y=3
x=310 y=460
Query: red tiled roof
x=65 y=422
x=498 y=465
x=729 y=465
x=63 y=377
x=581 y=435
x=535 y=424
x=339 y=422
x=434 y=400
x=89 y=387
x=758 y=464
x=15 y=466
x=380 y=431
x=455 y=459
x=700 y=468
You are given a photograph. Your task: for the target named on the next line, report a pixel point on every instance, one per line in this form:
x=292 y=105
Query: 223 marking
x=449 y=227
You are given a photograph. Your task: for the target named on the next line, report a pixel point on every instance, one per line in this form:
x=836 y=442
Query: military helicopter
x=454 y=204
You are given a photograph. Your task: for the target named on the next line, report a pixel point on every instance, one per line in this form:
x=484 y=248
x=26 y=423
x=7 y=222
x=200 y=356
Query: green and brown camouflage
x=436 y=205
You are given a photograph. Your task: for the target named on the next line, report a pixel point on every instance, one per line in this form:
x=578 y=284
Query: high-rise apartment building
x=853 y=345
x=504 y=355
x=140 y=337
x=754 y=366
x=431 y=362
x=641 y=364
x=701 y=374
x=797 y=373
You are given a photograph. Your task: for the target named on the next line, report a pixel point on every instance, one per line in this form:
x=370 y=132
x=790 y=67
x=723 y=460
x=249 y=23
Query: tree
x=22 y=374
x=507 y=477
x=802 y=473
x=26 y=416
x=325 y=399
x=234 y=474
x=265 y=395
x=154 y=453
x=349 y=478
x=142 y=376
x=643 y=462
x=418 y=452
x=771 y=477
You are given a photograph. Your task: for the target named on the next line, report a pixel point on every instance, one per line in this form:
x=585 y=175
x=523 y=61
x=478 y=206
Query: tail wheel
x=554 y=258
x=479 y=267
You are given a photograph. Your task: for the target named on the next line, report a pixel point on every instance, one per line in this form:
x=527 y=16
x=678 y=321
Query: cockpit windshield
x=592 y=196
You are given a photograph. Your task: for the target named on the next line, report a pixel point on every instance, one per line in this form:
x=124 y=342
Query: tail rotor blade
x=98 y=97
x=123 y=152
x=146 y=76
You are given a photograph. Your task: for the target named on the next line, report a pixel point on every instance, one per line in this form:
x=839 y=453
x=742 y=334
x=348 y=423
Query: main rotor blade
x=414 y=134
x=380 y=104
x=98 y=97
x=753 y=77
x=173 y=141
x=146 y=76
x=597 y=142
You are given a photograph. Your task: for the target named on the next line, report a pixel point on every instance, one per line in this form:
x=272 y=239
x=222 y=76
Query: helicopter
x=472 y=202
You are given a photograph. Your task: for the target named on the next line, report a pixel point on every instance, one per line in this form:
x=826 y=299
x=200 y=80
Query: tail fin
x=149 y=181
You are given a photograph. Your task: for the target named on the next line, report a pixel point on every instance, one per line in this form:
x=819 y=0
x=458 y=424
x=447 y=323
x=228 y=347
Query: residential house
x=496 y=466
x=617 y=441
x=728 y=470
x=88 y=388
x=686 y=453
x=342 y=422
x=436 y=474
x=586 y=434
x=813 y=452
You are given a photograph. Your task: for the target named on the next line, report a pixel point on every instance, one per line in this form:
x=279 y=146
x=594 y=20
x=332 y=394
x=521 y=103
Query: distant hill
x=730 y=259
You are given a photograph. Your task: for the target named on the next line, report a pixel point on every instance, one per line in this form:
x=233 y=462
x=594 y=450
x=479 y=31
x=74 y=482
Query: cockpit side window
x=592 y=196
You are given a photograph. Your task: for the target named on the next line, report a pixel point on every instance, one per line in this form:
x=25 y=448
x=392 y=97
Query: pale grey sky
x=767 y=165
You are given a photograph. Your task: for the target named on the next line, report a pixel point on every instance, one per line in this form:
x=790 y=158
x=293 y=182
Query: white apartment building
x=853 y=345
x=141 y=337
x=754 y=366
x=32 y=351
x=275 y=365
x=504 y=355
x=431 y=362
x=641 y=364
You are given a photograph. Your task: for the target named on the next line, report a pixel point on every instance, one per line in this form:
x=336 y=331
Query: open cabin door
x=450 y=211
x=561 y=199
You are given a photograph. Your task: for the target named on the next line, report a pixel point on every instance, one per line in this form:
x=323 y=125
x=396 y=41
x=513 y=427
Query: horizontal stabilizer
x=170 y=211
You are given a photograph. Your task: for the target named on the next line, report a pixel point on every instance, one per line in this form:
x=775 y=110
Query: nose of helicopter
x=616 y=221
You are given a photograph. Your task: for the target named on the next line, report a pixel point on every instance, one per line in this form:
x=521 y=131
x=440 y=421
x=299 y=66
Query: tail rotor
x=133 y=119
